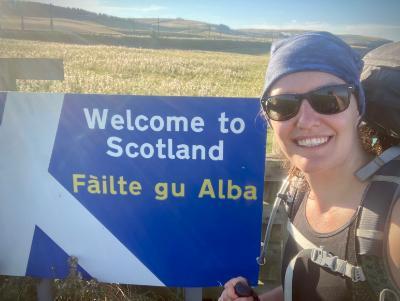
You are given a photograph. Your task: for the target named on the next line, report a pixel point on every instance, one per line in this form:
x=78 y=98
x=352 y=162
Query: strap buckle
x=357 y=274
x=324 y=258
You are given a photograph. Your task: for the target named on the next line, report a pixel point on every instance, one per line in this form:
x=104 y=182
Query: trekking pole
x=244 y=290
x=278 y=199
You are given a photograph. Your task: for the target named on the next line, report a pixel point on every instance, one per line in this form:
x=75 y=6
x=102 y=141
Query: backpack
x=381 y=83
x=368 y=271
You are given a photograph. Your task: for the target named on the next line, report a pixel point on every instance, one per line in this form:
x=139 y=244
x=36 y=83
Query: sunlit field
x=122 y=70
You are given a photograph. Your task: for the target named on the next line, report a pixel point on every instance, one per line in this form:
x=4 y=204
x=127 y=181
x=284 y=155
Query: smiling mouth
x=312 y=142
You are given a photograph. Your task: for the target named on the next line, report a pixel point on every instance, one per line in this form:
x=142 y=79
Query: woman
x=314 y=102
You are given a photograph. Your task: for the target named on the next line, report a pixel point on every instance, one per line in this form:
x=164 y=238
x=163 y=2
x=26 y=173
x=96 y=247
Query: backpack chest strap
x=320 y=257
x=327 y=260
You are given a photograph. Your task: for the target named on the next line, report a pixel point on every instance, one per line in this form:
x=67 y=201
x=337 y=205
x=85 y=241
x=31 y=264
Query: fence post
x=44 y=291
x=193 y=294
x=8 y=80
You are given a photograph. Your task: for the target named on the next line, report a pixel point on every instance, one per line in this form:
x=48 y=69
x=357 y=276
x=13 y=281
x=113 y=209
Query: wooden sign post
x=12 y=69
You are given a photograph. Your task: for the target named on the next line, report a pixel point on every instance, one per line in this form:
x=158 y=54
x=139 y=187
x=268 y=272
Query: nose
x=307 y=118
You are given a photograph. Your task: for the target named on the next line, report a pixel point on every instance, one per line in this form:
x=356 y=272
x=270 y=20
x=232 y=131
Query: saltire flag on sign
x=140 y=189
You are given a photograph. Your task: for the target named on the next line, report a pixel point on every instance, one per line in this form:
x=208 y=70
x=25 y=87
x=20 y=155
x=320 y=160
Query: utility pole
x=51 y=17
x=1 y=18
x=158 y=27
x=18 y=7
x=22 y=23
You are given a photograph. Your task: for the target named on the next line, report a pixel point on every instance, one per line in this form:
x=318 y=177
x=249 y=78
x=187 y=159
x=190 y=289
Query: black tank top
x=310 y=281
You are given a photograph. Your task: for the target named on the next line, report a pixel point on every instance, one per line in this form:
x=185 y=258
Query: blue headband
x=315 y=51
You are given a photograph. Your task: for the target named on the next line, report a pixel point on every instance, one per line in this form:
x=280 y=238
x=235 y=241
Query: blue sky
x=365 y=17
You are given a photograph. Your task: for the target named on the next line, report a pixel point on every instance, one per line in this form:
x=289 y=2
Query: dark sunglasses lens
x=282 y=107
x=330 y=100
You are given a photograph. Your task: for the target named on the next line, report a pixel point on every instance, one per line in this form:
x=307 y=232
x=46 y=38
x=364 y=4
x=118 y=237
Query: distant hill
x=38 y=21
x=36 y=10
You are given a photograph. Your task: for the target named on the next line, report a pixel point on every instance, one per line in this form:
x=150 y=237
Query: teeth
x=310 y=142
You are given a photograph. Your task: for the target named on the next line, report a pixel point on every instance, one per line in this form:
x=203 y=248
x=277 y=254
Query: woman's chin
x=310 y=166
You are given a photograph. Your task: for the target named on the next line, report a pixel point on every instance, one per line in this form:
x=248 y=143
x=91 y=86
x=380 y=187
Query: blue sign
x=141 y=189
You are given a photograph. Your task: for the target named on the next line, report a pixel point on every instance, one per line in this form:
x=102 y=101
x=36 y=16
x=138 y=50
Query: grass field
x=121 y=70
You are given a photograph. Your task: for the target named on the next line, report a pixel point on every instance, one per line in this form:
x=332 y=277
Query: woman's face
x=315 y=142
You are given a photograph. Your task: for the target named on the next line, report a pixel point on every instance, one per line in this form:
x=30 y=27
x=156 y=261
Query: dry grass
x=121 y=70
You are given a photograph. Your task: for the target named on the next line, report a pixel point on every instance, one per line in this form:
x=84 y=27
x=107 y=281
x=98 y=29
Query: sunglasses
x=326 y=100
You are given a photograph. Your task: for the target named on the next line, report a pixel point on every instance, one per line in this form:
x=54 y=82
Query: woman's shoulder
x=394 y=243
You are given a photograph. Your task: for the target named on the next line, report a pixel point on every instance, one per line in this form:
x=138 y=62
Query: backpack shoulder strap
x=297 y=192
x=374 y=216
x=382 y=192
x=372 y=167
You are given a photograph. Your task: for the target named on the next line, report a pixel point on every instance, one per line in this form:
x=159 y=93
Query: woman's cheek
x=282 y=140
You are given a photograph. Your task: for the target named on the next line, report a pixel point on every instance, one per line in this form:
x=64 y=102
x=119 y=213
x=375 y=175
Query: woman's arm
x=394 y=243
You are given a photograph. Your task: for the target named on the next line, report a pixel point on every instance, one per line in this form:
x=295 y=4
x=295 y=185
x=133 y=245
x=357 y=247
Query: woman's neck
x=338 y=186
